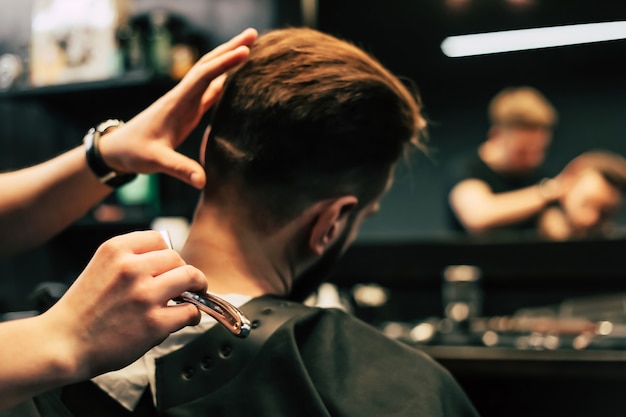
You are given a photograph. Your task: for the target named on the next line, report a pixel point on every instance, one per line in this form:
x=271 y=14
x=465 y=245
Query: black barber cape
x=298 y=361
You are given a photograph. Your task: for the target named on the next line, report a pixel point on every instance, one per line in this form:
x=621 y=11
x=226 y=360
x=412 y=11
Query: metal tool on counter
x=221 y=310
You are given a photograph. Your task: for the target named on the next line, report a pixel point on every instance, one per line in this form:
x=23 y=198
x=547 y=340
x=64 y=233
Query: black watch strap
x=105 y=173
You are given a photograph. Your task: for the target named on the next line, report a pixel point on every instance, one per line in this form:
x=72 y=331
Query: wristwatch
x=105 y=173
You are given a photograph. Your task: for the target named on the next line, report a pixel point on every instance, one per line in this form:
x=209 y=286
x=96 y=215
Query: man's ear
x=330 y=223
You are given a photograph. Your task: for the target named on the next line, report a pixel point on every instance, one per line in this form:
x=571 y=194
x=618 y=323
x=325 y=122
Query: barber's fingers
x=175 y=281
x=156 y=262
x=204 y=72
x=136 y=242
x=219 y=60
x=181 y=167
x=212 y=93
x=244 y=38
x=175 y=317
x=171 y=284
x=149 y=257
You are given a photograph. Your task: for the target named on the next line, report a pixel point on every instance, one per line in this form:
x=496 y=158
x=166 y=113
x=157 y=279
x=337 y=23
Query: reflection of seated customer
x=594 y=185
x=302 y=147
x=500 y=186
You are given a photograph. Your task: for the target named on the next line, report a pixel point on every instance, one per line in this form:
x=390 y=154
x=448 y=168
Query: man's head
x=595 y=182
x=522 y=120
x=309 y=125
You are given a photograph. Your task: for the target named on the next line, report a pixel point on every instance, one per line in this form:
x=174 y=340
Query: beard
x=320 y=271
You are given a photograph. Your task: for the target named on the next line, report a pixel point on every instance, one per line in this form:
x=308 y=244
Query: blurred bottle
x=462 y=296
x=160 y=42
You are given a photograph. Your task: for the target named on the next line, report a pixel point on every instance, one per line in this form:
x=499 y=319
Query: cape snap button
x=206 y=362
x=188 y=372
x=225 y=351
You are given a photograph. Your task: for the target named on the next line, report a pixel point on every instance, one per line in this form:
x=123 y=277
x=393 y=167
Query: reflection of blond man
x=499 y=189
x=521 y=129
x=521 y=105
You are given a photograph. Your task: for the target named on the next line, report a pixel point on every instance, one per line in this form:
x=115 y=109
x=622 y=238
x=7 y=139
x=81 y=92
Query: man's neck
x=233 y=259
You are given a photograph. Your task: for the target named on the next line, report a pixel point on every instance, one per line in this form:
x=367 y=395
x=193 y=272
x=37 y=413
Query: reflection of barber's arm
x=479 y=209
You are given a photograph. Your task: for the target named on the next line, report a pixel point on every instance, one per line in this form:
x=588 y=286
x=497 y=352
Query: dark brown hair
x=307 y=117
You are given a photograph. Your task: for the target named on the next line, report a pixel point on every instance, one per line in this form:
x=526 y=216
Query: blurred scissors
x=221 y=310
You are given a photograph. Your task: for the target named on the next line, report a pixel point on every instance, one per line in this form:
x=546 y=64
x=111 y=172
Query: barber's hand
x=146 y=143
x=118 y=308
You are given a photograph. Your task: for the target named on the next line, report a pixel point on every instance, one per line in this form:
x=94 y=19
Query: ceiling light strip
x=536 y=38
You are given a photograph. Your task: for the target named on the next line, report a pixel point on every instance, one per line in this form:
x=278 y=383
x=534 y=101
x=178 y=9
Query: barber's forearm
x=34 y=360
x=38 y=202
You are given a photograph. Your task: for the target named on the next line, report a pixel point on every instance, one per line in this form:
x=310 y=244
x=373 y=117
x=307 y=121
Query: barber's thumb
x=183 y=168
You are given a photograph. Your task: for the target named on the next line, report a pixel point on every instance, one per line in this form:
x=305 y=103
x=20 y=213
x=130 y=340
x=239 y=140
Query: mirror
x=584 y=82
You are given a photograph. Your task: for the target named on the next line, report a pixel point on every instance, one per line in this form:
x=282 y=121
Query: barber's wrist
x=549 y=189
x=60 y=360
x=95 y=160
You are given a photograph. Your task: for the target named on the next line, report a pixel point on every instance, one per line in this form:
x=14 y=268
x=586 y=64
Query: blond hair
x=521 y=106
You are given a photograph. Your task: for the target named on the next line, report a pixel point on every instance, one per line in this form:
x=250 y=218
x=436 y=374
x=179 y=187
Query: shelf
x=130 y=79
x=515 y=363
